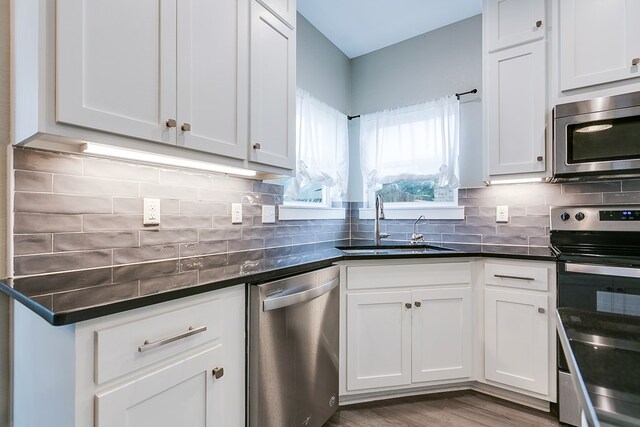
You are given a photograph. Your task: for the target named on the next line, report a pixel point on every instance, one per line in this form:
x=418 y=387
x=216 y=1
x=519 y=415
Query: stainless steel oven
x=597 y=138
x=598 y=253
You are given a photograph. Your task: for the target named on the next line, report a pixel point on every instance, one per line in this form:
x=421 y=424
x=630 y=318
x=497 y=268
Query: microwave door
x=605 y=142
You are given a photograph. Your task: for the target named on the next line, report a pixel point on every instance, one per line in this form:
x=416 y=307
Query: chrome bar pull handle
x=504 y=276
x=148 y=345
x=171 y=123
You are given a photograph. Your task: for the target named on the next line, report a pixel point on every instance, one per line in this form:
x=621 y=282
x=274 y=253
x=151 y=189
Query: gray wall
x=431 y=65
x=4 y=140
x=322 y=69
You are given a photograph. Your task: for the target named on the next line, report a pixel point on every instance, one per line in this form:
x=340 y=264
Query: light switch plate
x=268 y=214
x=151 y=212
x=236 y=213
x=502 y=213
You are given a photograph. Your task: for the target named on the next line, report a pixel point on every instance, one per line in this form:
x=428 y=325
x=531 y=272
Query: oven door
x=600 y=143
x=599 y=287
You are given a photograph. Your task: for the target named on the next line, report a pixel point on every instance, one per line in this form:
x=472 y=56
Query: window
x=409 y=155
x=322 y=154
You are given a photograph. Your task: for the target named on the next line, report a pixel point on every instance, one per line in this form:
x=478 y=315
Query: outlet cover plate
x=151 y=213
x=236 y=213
x=502 y=213
x=268 y=214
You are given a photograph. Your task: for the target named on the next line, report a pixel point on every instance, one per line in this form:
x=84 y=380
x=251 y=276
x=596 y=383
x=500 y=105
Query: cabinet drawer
x=130 y=346
x=390 y=276
x=517 y=276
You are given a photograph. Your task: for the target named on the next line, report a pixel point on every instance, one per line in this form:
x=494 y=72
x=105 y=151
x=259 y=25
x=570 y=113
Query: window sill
x=413 y=212
x=288 y=213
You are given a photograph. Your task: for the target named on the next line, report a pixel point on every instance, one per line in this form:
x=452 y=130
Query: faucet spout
x=416 y=237
x=379 y=215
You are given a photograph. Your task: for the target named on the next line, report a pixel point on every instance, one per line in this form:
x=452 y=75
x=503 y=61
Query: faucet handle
x=384 y=235
x=416 y=237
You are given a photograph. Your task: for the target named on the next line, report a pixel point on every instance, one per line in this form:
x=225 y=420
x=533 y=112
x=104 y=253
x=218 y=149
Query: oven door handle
x=603 y=270
x=275 y=303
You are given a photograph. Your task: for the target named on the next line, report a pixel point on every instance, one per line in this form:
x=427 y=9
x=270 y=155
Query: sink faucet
x=416 y=237
x=379 y=215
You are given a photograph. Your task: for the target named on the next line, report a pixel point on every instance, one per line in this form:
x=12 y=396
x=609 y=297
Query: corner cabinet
x=273 y=85
x=406 y=326
x=599 y=42
x=516 y=135
x=175 y=363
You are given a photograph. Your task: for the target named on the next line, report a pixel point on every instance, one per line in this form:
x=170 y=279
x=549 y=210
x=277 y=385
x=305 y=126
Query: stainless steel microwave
x=598 y=138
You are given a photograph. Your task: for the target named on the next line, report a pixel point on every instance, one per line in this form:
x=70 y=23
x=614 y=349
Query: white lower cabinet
x=410 y=336
x=182 y=393
x=516 y=339
x=176 y=363
x=519 y=330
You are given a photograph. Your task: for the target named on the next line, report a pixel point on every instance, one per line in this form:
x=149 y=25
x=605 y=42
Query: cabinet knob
x=539 y=158
x=408 y=305
x=256 y=146
x=541 y=310
x=635 y=61
x=218 y=373
x=538 y=24
x=171 y=123
x=418 y=304
x=186 y=127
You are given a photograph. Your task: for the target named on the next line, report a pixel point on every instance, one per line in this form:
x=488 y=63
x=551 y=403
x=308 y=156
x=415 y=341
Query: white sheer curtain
x=418 y=142
x=322 y=150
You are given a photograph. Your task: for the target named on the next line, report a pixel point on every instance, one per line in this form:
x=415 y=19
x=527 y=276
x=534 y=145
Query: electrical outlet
x=268 y=214
x=151 y=214
x=236 y=213
x=502 y=213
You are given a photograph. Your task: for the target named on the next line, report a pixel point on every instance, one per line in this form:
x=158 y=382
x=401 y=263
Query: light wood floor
x=459 y=409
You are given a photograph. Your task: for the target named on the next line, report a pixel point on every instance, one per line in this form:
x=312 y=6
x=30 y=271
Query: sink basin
x=393 y=250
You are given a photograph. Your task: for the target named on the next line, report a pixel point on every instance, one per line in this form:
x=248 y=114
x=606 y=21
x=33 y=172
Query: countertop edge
x=92 y=312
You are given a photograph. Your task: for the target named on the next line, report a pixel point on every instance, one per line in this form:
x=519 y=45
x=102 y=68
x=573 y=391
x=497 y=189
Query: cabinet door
x=213 y=76
x=513 y=22
x=516 y=339
x=185 y=393
x=599 y=40
x=116 y=66
x=516 y=110
x=284 y=9
x=378 y=339
x=273 y=101
x=441 y=334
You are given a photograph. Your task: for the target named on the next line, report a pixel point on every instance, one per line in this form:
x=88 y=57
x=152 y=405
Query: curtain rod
x=458 y=95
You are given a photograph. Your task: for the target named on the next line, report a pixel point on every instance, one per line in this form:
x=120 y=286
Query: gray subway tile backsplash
x=78 y=212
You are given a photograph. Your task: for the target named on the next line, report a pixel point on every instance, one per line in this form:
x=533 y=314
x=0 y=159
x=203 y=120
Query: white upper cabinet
x=166 y=71
x=513 y=22
x=516 y=106
x=212 y=74
x=283 y=9
x=273 y=82
x=599 y=42
x=116 y=65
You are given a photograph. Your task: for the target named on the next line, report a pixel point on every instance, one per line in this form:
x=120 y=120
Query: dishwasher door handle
x=275 y=303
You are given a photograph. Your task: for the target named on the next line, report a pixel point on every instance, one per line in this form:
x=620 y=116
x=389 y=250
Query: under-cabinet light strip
x=123 y=153
x=515 y=181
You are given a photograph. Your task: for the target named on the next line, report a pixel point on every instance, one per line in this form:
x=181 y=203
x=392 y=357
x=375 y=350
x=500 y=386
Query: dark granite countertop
x=603 y=353
x=70 y=297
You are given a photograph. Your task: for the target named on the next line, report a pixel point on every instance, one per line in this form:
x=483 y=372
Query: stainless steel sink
x=393 y=250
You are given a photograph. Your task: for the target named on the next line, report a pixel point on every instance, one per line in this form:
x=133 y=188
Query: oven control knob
x=565 y=216
x=579 y=216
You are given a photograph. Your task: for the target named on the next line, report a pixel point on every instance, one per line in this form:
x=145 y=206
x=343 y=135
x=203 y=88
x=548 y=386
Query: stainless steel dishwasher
x=293 y=350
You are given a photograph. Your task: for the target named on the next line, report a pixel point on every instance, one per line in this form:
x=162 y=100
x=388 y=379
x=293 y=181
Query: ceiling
x=357 y=27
